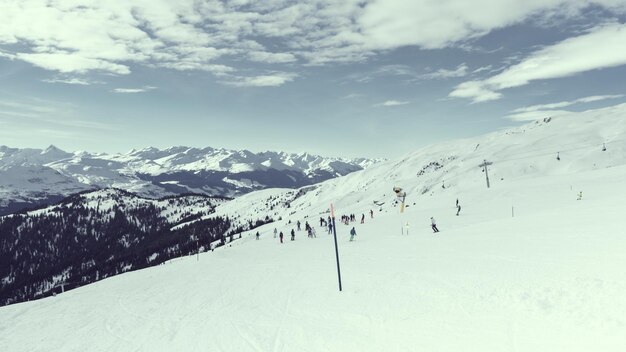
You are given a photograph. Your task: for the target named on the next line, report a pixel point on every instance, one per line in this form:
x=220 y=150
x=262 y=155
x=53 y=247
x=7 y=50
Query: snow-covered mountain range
x=29 y=177
x=525 y=266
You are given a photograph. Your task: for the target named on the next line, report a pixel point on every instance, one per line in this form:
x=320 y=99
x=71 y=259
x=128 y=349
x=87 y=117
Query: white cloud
x=66 y=62
x=474 y=90
x=271 y=80
x=215 y=36
x=409 y=72
x=602 y=47
x=72 y=81
x=437 y=24
x=563 y=104
x=271 y=58
x=6 y=55
x=459 y=71
x=133 y=90
x=483 y=68
x=382 y=71
x=614 y=110
x=393 y=103
x=396 y=70
x=352 y=96
x=217 y=70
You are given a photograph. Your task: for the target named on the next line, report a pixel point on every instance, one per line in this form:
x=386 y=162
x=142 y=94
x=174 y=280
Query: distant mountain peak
x=51 y=148
x=52 y=152
x=154 y=172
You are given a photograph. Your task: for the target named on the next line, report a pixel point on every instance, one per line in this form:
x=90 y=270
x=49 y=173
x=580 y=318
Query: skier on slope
x=298 y=224
x=293 y=235
x=371 y=213
x=330 y=227
x=257 y=235
x=362 y=218
x=352 y=234
x=281 y=237
x=433 y=224
x=458 y=209
x=275 y=232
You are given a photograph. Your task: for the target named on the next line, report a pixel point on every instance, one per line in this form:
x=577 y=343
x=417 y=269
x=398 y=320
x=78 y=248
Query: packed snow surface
x=551 y=278
x=526 y=266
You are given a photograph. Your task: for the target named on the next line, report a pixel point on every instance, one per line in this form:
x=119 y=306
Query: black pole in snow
x=332 y=211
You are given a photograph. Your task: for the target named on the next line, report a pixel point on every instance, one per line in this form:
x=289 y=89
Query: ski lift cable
x=561 y=147
x=583 y=146
x=551 y=152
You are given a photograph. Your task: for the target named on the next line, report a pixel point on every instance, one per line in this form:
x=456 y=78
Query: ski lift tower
x=484 y=166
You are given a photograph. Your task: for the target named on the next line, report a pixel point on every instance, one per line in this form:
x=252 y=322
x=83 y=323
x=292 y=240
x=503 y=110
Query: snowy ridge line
x=33 y=176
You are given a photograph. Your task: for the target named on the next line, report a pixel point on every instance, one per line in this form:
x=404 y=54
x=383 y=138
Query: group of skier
x=308 y=228
x=345 y=219
x=324 y=223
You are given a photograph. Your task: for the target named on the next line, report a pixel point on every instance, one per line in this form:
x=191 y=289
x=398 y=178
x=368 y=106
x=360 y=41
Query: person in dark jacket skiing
x=362 y=218
x=281 y=237
x=352 y=234
x=433 y=224
x=257 y=235
x=330 y=227
x=293 y=235
x=458 y=209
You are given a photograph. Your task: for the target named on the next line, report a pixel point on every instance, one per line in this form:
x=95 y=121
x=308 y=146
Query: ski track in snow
x=277 y=341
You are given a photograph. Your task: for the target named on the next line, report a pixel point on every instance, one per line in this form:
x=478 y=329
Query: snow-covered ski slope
x=526 y=152
x=550 y=278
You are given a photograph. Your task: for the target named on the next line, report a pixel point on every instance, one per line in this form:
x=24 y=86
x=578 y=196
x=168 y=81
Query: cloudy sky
x=371 y=78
